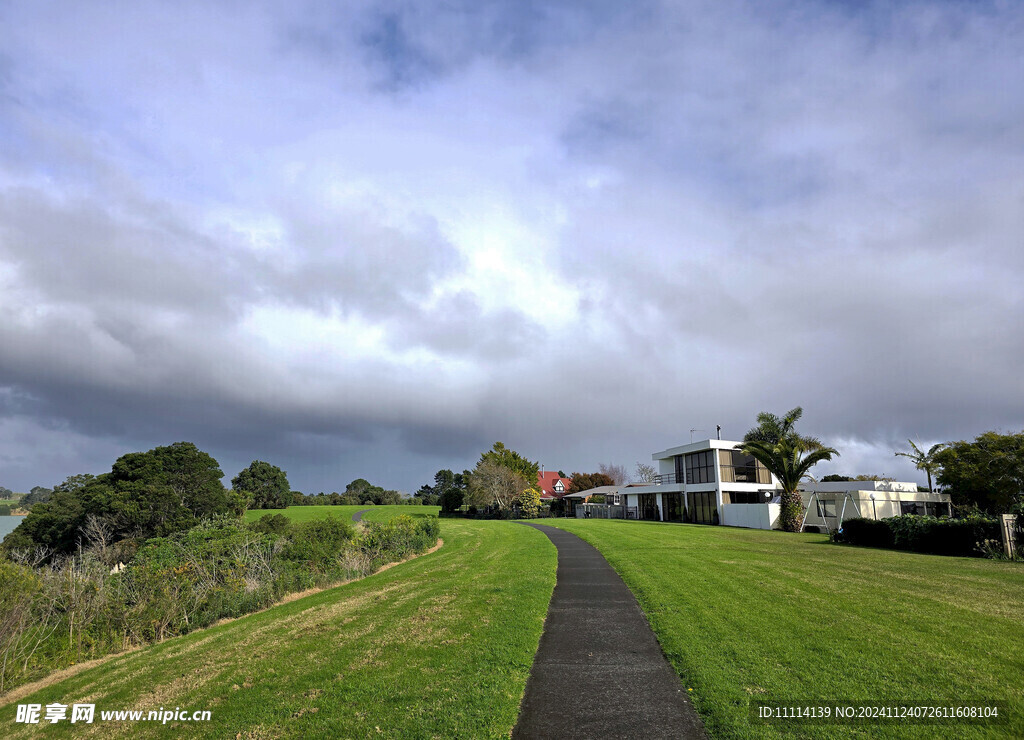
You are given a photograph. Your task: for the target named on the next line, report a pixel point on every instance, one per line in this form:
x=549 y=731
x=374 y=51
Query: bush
x=317 y=543
x=963 y=537
x=864 y=532
x=398 y=538
x=272 y=524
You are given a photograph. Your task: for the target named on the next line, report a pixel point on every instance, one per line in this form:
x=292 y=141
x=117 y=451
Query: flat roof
x=705 y=444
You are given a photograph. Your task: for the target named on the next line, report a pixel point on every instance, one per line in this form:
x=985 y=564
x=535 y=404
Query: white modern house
x=707 y=482
x=712 y=482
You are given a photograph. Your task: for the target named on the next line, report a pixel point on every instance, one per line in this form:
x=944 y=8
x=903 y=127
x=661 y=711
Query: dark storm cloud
x=370 y=242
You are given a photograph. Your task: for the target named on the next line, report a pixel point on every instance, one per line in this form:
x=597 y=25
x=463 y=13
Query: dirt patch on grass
x=30 y=688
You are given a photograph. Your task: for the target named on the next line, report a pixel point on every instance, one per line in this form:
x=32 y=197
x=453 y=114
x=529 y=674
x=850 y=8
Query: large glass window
x=740 y=468
x=648 y=506
x=673 y=506
x=924 y=508
x=826 y=508
x=700 y=467
x=703 y=508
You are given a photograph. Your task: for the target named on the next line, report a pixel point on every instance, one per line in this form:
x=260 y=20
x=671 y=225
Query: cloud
x=370 y=242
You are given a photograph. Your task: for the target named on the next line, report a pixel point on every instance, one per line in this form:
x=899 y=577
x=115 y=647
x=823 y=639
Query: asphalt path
x=358 y=516
x=599 y=671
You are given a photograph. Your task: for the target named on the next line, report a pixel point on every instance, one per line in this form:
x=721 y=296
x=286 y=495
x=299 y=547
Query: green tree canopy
x=504 y=478
x=145 y=494
x=512 y=460
x=987 y=473
x=772 y=429
x=586 y=481
x=264 y=486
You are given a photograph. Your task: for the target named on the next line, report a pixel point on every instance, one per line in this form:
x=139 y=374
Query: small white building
x=713 y=482
x=873 y=499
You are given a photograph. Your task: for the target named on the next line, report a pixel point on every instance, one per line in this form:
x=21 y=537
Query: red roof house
x=553 y=485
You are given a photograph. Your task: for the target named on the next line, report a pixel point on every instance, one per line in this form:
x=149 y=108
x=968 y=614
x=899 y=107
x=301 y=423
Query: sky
x=371 y=239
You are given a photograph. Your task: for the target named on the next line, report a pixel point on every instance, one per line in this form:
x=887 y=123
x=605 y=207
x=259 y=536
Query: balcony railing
x=666 y=478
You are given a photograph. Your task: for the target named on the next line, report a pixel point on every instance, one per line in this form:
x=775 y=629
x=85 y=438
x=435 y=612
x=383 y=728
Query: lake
x=8 y=523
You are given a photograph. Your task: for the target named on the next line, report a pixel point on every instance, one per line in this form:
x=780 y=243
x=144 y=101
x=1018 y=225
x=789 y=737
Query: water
x=8 y=523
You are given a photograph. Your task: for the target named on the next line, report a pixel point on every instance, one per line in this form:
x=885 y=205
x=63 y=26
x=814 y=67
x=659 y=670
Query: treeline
x=359 y=492
x=62 y=610
x=13 y=502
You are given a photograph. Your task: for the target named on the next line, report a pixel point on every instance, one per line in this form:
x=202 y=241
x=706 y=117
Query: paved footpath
x=599 y=671
x=358 y=516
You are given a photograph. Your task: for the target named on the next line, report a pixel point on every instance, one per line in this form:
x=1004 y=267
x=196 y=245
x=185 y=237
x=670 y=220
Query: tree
x=923 y=460
x=145 y=494
x=504 y=478
x=617 y=473
x=365 y=492
x=263 y=485
x=39 y=495
x=772 y=429
x=645 y=473
x=493 y=484
x=451 y=499
x=987 y=473
x=586 y=481
x=512 y=460
x=787 y=461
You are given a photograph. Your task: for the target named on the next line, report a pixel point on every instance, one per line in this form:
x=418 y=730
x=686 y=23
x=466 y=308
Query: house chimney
x=719 y=428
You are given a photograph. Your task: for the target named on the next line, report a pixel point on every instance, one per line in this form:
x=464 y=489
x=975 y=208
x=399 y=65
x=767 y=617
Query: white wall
x=752 y=516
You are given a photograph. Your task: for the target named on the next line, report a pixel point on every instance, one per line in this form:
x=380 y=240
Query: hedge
x=964 y=537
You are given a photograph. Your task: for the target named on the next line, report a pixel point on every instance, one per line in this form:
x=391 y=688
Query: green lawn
x=440 y=646
x=745 y=614
x=305 y=513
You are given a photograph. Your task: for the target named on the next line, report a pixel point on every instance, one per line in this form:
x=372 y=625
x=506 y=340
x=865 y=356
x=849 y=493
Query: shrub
x=272 y=524
x=964 y=537
x=318 y=542
x=865 y=532
x=398 y=538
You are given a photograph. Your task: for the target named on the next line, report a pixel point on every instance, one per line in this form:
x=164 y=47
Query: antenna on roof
x=695 y=430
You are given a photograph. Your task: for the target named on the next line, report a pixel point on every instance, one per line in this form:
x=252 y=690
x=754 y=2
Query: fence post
x=1008 y=530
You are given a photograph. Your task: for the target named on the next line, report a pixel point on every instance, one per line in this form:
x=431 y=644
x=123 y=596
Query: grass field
x=747 y=614
x=305 y=513
x=440 y=646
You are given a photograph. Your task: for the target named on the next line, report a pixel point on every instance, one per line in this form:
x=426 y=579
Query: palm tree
x=772 y=429
x=787 y=461
x=923 y=460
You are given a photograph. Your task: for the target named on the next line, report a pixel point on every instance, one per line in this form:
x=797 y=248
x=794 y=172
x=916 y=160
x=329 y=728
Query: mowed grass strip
x=750 y=614
x=440 y=646
x=306 y=513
